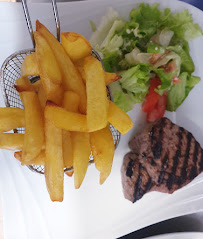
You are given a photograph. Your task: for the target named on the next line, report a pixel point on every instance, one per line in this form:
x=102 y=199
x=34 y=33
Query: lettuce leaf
x=187 y=64
x=121 y=99
x=132 y=87
x=178 y=92
x=182 y=25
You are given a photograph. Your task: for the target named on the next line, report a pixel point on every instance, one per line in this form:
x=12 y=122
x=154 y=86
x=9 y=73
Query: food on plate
x=39 y=160
x=71 y=78
x=34 y=126
x=102 y=146
x=75 y=45
x=81 y=154
x=11 y=141
x=164 y=157
x=11 y=118
x=97 y=103
x=67 y=112
x=119 y=119
x=29 y=66
x=71 y=102
x=153 y=43
x=49 y=71
x=54 y=165
x=65 y=119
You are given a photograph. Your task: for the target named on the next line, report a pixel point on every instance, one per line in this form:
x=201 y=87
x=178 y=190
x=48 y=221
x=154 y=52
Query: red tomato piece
x=176 y=80
x=152 y=96
x=159 y=109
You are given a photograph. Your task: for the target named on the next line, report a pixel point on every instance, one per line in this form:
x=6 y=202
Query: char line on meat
x=164 y=157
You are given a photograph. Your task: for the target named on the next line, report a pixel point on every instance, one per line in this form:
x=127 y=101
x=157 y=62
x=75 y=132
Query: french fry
x=46 y=60
x=23 y=81
x=11 y=118
x=54 y=166
x=119 y=119
x=29 y=66
x=21 y=88
x=81 y=153
x=11 y=141
x=70 y=103
x=96 y=94
x=67 y=149
x=42 y=96
x=75 y=45
x=49 y=70
x=109 y=77
x=23 y=84
x=71 y=78
x=34 y=131
x=39 y=160
x=102 y=146
x=65 y=119
x=79 y=141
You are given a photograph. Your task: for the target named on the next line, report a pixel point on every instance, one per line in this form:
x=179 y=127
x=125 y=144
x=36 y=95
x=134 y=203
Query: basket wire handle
x=29 y=23
x=56 y=16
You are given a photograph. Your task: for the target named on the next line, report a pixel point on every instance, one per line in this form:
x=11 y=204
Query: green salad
x=152 y=44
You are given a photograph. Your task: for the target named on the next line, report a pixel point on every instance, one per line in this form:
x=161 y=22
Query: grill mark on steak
x=185 y=164
x=193 y=172
x=129 y=171
x=157 y=142
x=163 y=168
x=136 y=195
x=172 y=177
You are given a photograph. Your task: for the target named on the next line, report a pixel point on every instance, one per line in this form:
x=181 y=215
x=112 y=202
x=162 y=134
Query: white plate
x=179 y=235
x=93 y=211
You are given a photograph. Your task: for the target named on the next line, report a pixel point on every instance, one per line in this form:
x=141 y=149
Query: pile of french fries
x=66 y=113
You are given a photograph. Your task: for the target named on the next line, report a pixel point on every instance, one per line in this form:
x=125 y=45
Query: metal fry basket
x=10 y=72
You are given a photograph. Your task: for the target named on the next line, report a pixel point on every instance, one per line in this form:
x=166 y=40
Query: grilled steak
x=164 y=158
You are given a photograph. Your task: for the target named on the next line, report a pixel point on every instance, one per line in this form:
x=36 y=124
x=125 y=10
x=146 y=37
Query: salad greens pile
x=152 y=42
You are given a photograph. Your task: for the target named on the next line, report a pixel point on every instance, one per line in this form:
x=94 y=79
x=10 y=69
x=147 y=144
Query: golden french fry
x=23 y=81
x=11 y=118
x=65 y=119
x=75 y=45
x=11 y=141
x=80 y=69
x=102 y=146
x=96 y=94
x=29 y=66
x=111 y=77
x=71 y=78
x=67 y=149
x=30 y=87
x=49 y=70
x=46 y=60
x=42 y=96
x=71 y=101
x=119 y=119
x=39 y=160
x=54 y=166
x=81 y=153
x=34 y=131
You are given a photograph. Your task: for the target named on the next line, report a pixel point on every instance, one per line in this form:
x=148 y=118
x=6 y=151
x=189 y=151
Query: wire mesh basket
x=10 y=72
